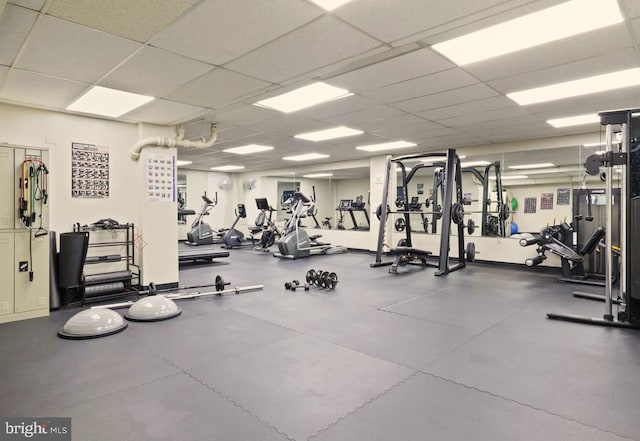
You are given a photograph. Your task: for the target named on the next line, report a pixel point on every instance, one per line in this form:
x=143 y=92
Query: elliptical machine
x=201 y=233
x=296 y=242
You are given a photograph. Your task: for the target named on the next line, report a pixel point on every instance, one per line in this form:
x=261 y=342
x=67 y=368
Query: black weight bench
x=408 y=256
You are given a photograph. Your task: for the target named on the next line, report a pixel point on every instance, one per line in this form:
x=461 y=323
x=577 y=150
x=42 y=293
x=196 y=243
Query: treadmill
x=199 y=254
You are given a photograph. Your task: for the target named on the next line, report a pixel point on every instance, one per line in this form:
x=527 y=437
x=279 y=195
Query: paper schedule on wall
x=530 y=205
x=160 y=178
x=546 y=201
x=89 y=171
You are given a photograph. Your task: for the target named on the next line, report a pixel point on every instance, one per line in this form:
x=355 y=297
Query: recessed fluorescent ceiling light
x=246 y=149
x=318 y=175
x=598 y=144
x=386 y=146
x=330 y=5
x=577 y=120
x=474 y=164
x=305 y=157
x=506 y=178
x=179 y=163
x=304 y=97
x=323 y=135
x=583 y=86
x=561 y=21
x=108 y=102
x=228 y=167
x=526 y=166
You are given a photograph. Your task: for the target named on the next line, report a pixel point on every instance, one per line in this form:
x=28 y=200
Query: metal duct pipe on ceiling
x=178 y=141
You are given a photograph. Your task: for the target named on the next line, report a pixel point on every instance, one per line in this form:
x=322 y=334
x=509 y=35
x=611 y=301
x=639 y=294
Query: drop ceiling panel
x=234 y=133
x=245 y=114
x=579 y=47
x=154 y=72
x=394 y=70
x=137 y=20
x=426 y=85
x=421 y=129
x=349 y=104
x=366 y=116
x=287 y=125
x=3 y=74
x=33 y=88
x=632 y=8
x=161 y=111
x=322 y=42
x=217 y=88
x=67 y=50
x=15 y=24
x=616 y=60
x=613 y=99
x=494 y=103
x=35 y=5
x=448 y=98
x=225 y=30
x=635 y=24
x=391 y=20
x=478 y=117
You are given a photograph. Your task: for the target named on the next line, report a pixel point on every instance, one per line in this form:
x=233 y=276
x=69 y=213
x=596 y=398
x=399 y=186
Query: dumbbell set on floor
x=321 y=279
x=295 y=284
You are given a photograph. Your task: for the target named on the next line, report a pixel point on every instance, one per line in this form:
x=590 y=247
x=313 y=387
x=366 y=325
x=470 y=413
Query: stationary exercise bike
x=201 y=233
x=296 y=242
x=270 y=231
x=234 y=238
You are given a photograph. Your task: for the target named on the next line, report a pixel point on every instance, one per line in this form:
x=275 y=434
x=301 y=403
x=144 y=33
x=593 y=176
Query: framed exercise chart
x=160 y=178
x=89 y=171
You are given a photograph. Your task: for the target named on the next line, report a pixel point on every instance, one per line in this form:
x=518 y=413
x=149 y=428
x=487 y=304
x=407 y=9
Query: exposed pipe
x=178 y=141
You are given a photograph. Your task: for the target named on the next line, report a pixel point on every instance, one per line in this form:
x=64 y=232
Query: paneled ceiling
x=210 y=60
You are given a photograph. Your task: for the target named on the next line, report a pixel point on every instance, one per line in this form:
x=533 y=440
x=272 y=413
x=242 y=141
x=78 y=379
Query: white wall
x=534 y=222
x=126 y=203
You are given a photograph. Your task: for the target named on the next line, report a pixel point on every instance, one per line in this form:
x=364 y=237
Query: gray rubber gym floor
x=469 y=356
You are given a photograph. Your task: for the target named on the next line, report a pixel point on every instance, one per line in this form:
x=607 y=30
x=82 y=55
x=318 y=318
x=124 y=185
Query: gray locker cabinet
x=7 y=181
x=6 y=272
x=31 y=295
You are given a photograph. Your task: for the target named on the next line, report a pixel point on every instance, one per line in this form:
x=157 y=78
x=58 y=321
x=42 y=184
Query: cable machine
x=627 y=160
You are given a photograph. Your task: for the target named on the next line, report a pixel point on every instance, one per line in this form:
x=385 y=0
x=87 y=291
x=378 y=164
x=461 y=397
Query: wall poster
x=530 y=205
x=89 y=171
x=160 y=176
x=564 y=196
x=546 y=201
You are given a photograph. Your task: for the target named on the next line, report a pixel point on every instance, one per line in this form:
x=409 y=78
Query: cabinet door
x=7 y=183
x=31 y=295
x=6 y=273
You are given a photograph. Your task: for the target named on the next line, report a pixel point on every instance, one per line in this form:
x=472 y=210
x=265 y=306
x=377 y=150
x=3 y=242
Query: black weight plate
x=311 y=276
x=400 y=225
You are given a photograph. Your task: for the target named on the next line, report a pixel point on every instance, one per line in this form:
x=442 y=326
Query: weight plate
x=400 y=203
x=402 y=243
x=504 y=212
x=471 y=226
x=311 y=276
x=425 y=224
x=332 y=280
x=324 y=280
x=152 y=289
x=219 y=283
x=400 y=225
x=471 y=252
x=457 y=213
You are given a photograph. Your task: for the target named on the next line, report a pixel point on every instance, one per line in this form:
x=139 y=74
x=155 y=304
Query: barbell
x=400 y=225
x=458 y=212
x=437 y=211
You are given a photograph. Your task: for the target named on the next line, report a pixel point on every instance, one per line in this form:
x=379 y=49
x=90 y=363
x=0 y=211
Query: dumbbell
x=293 y=285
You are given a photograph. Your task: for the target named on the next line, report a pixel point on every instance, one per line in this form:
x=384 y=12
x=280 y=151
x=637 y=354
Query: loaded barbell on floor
x=152 y=289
